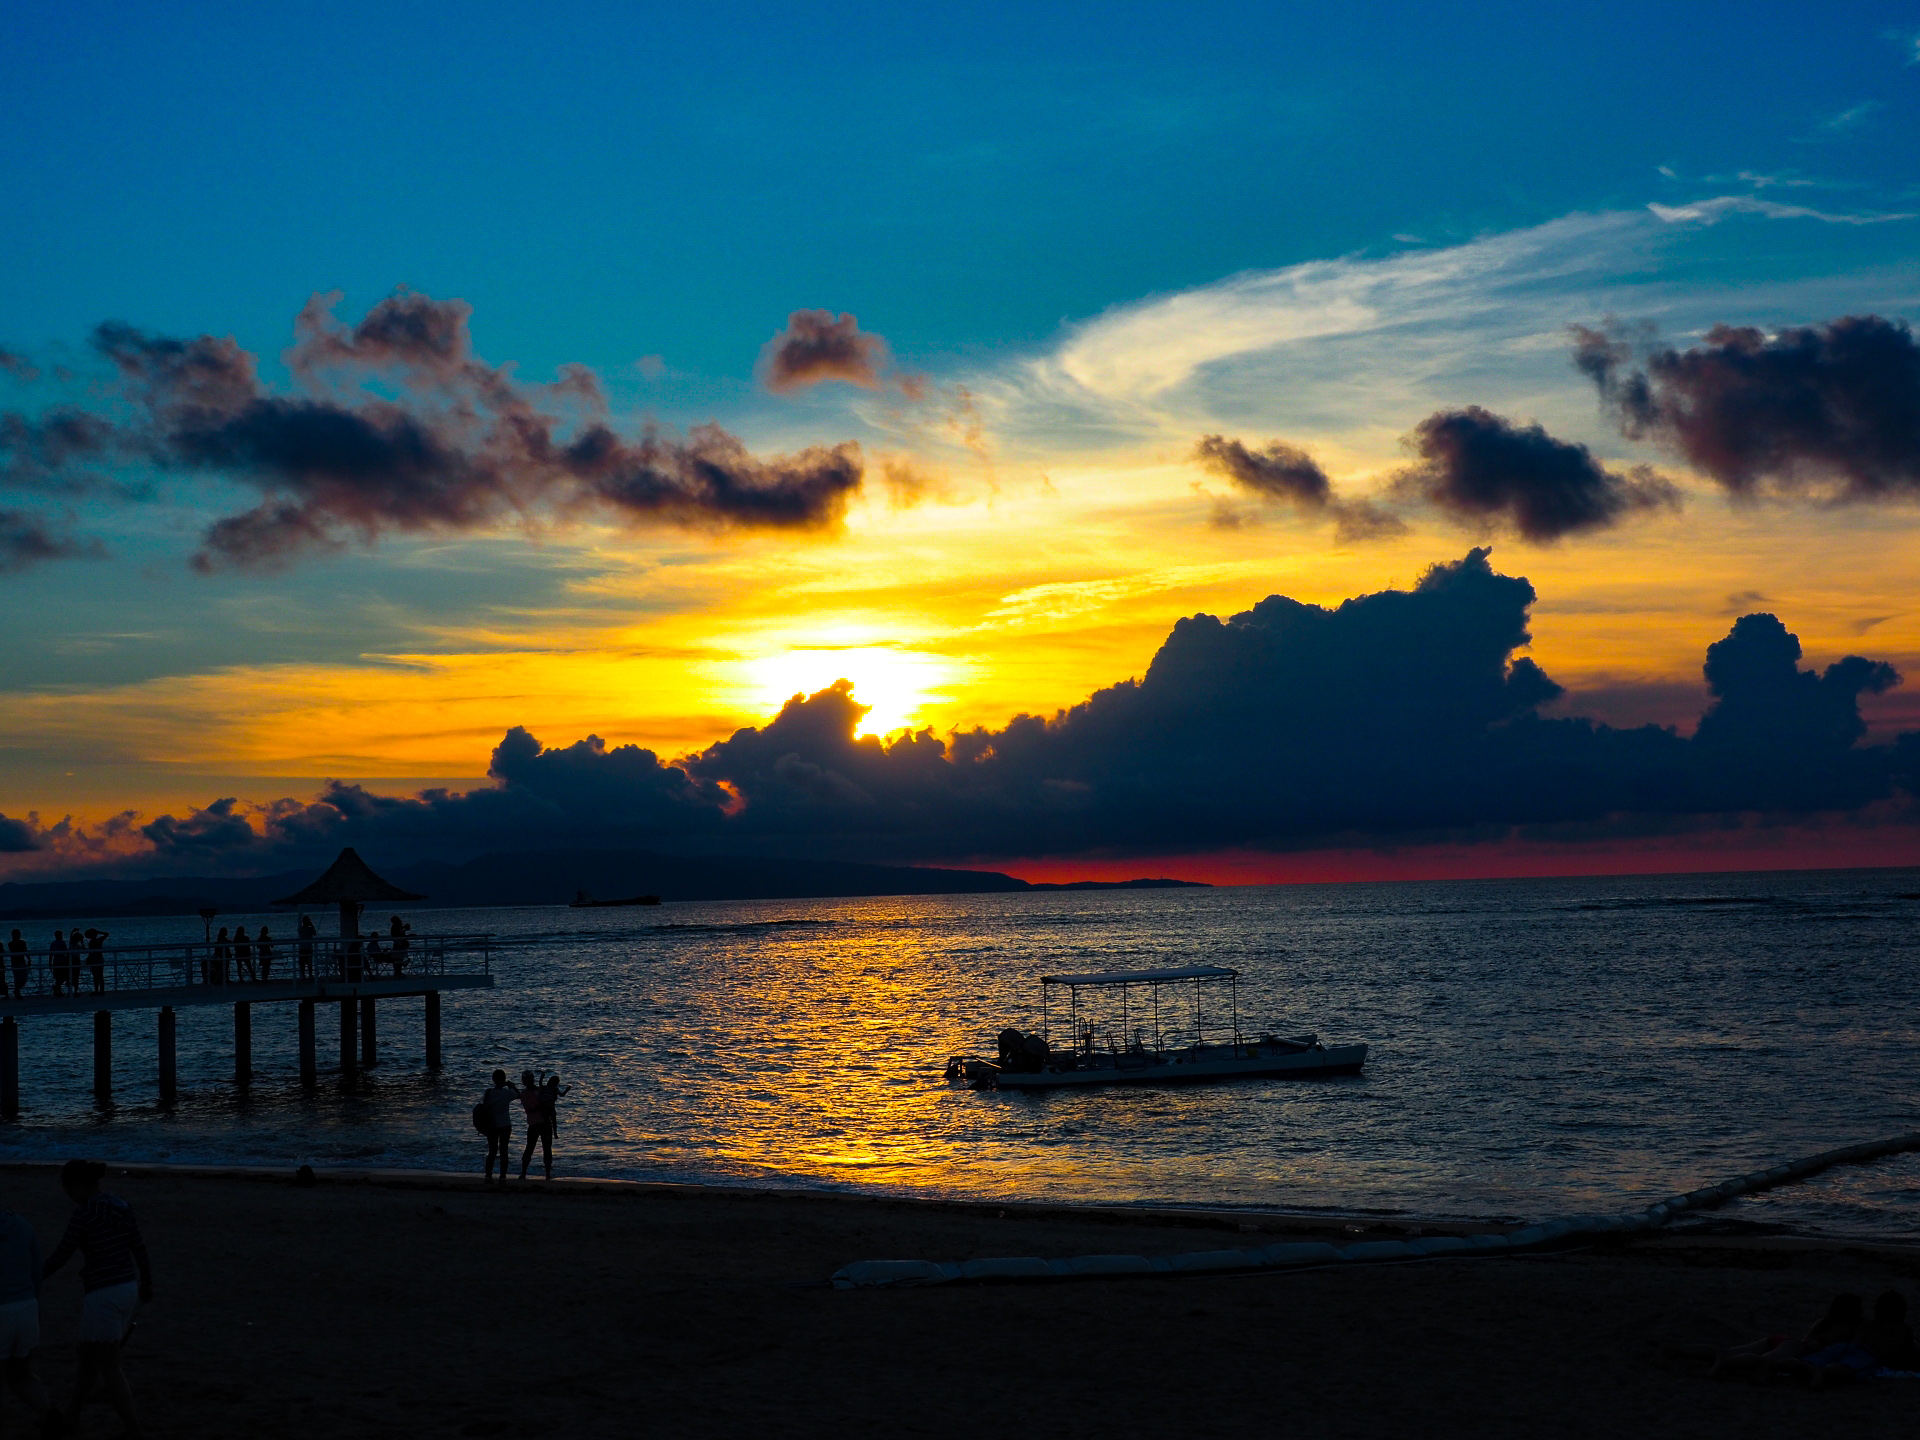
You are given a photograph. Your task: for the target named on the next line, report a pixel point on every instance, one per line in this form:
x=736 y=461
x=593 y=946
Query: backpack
x=483 y=1118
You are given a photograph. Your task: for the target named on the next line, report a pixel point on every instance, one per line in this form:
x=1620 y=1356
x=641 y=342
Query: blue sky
x=1098 y=232
x=607 y=182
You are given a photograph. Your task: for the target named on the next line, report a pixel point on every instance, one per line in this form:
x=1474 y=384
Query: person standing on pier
x=242 y=954
x=499 y=1102
x=96 y=961
x=20 y=1312
x=263 y=947
x=17 y=954
x=57 y=960
x=117 y=1279
x=222 y=952
x=303 y=954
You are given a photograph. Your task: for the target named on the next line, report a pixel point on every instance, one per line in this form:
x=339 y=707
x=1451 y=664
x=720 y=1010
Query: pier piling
x=169 y=1073
x=9 y=1068
x=433 y=1029
x=349 y=1050
x=309 y=1061
x=369 y=1044
x=103 y=1055
x=242 y=1042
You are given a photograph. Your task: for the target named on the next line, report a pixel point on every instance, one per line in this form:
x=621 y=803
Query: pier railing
x=232 y=968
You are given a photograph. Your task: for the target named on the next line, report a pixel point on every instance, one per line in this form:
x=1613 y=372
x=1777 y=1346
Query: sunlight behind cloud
x=901 y=685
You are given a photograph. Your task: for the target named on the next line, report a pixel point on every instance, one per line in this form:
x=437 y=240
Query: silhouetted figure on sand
x=499 y=1102
x=116 y=1278
x=17 y=957
x=97 y=960
x=57 y=961
x=263 y=948
x=1760 y=1358
x=533 y=1099
x=303 y=953
x=1884 y=1342
x=20 y=1313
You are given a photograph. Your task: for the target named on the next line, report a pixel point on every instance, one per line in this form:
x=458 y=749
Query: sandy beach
x=427 y=1306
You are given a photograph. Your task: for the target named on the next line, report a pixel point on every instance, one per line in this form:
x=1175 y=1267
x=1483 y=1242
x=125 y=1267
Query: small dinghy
x=1162 y=1038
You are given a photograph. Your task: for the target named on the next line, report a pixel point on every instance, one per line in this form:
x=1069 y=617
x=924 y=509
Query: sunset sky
x=963 y=290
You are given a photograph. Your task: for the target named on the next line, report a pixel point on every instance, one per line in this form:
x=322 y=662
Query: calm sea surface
x=1540 y=1048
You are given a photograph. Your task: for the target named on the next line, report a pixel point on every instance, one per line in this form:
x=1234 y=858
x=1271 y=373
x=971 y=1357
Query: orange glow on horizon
x=1841 y=846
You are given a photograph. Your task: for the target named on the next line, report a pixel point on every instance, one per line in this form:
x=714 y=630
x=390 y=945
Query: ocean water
x=1540 y=1048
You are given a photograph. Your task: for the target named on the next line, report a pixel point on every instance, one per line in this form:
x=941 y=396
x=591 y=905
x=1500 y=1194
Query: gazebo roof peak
x=348 y=878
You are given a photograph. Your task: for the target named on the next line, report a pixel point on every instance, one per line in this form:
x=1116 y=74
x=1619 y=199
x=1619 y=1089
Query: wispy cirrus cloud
x=1850 y=119
x=1345 y=355
x=1713 y=211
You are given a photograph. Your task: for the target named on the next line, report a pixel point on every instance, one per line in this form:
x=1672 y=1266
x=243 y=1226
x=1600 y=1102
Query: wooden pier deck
x=307 y=971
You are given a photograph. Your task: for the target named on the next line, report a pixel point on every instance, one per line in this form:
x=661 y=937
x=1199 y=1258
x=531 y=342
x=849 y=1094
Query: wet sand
x=428 y=1307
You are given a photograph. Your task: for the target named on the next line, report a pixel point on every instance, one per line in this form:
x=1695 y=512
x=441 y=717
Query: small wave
x=1661 y=902
x=744 y=927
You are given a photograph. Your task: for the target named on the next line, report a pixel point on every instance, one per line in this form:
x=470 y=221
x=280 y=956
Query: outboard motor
x=1011 y=1041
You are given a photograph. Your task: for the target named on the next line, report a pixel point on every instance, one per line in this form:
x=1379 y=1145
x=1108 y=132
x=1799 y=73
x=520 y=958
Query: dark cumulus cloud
x=394 y=425
x=1828 y=410
x=1482 y=469
x=1389 y=718
x=1280 y=473
x=818 y=345
x=50 y=451
x=27 y=540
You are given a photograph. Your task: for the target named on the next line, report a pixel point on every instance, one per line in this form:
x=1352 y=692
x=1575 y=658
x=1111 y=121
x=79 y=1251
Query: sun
x=903 y=686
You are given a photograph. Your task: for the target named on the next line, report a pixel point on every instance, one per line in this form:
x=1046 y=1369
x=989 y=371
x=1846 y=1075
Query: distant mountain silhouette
x=543 y=877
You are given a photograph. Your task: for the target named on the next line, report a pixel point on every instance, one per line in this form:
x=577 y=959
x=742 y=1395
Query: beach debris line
x=1314 y=1254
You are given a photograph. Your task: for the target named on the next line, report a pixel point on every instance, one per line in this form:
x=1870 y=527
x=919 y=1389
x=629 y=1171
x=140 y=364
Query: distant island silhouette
x=543 y=877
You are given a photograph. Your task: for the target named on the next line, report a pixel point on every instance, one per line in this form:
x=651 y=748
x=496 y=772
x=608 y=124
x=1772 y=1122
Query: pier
x=304 y=969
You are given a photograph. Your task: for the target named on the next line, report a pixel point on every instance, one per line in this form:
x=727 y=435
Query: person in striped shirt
x=116 y=1277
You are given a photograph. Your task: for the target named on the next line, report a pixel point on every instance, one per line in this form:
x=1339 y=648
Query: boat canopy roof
x=1133 y=977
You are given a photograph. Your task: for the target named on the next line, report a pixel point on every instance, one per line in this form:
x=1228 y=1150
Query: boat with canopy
x=1147 y=1027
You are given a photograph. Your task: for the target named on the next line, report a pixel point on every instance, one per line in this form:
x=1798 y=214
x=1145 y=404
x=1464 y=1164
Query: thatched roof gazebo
x=348 y=883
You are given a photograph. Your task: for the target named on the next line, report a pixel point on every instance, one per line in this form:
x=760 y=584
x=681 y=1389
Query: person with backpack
x=493 y=1116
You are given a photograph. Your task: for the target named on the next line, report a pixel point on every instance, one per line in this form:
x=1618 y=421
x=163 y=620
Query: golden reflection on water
x=1539 y=1047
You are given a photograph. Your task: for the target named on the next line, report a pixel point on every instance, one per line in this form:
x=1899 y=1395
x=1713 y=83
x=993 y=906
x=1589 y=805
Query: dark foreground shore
x=423 y=1307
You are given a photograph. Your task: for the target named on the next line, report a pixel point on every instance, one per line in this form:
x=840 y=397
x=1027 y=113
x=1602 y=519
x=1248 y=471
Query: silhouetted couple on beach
x=540 y=1099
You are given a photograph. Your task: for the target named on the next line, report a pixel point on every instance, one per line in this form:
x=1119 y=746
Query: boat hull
x=1299 y=1064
